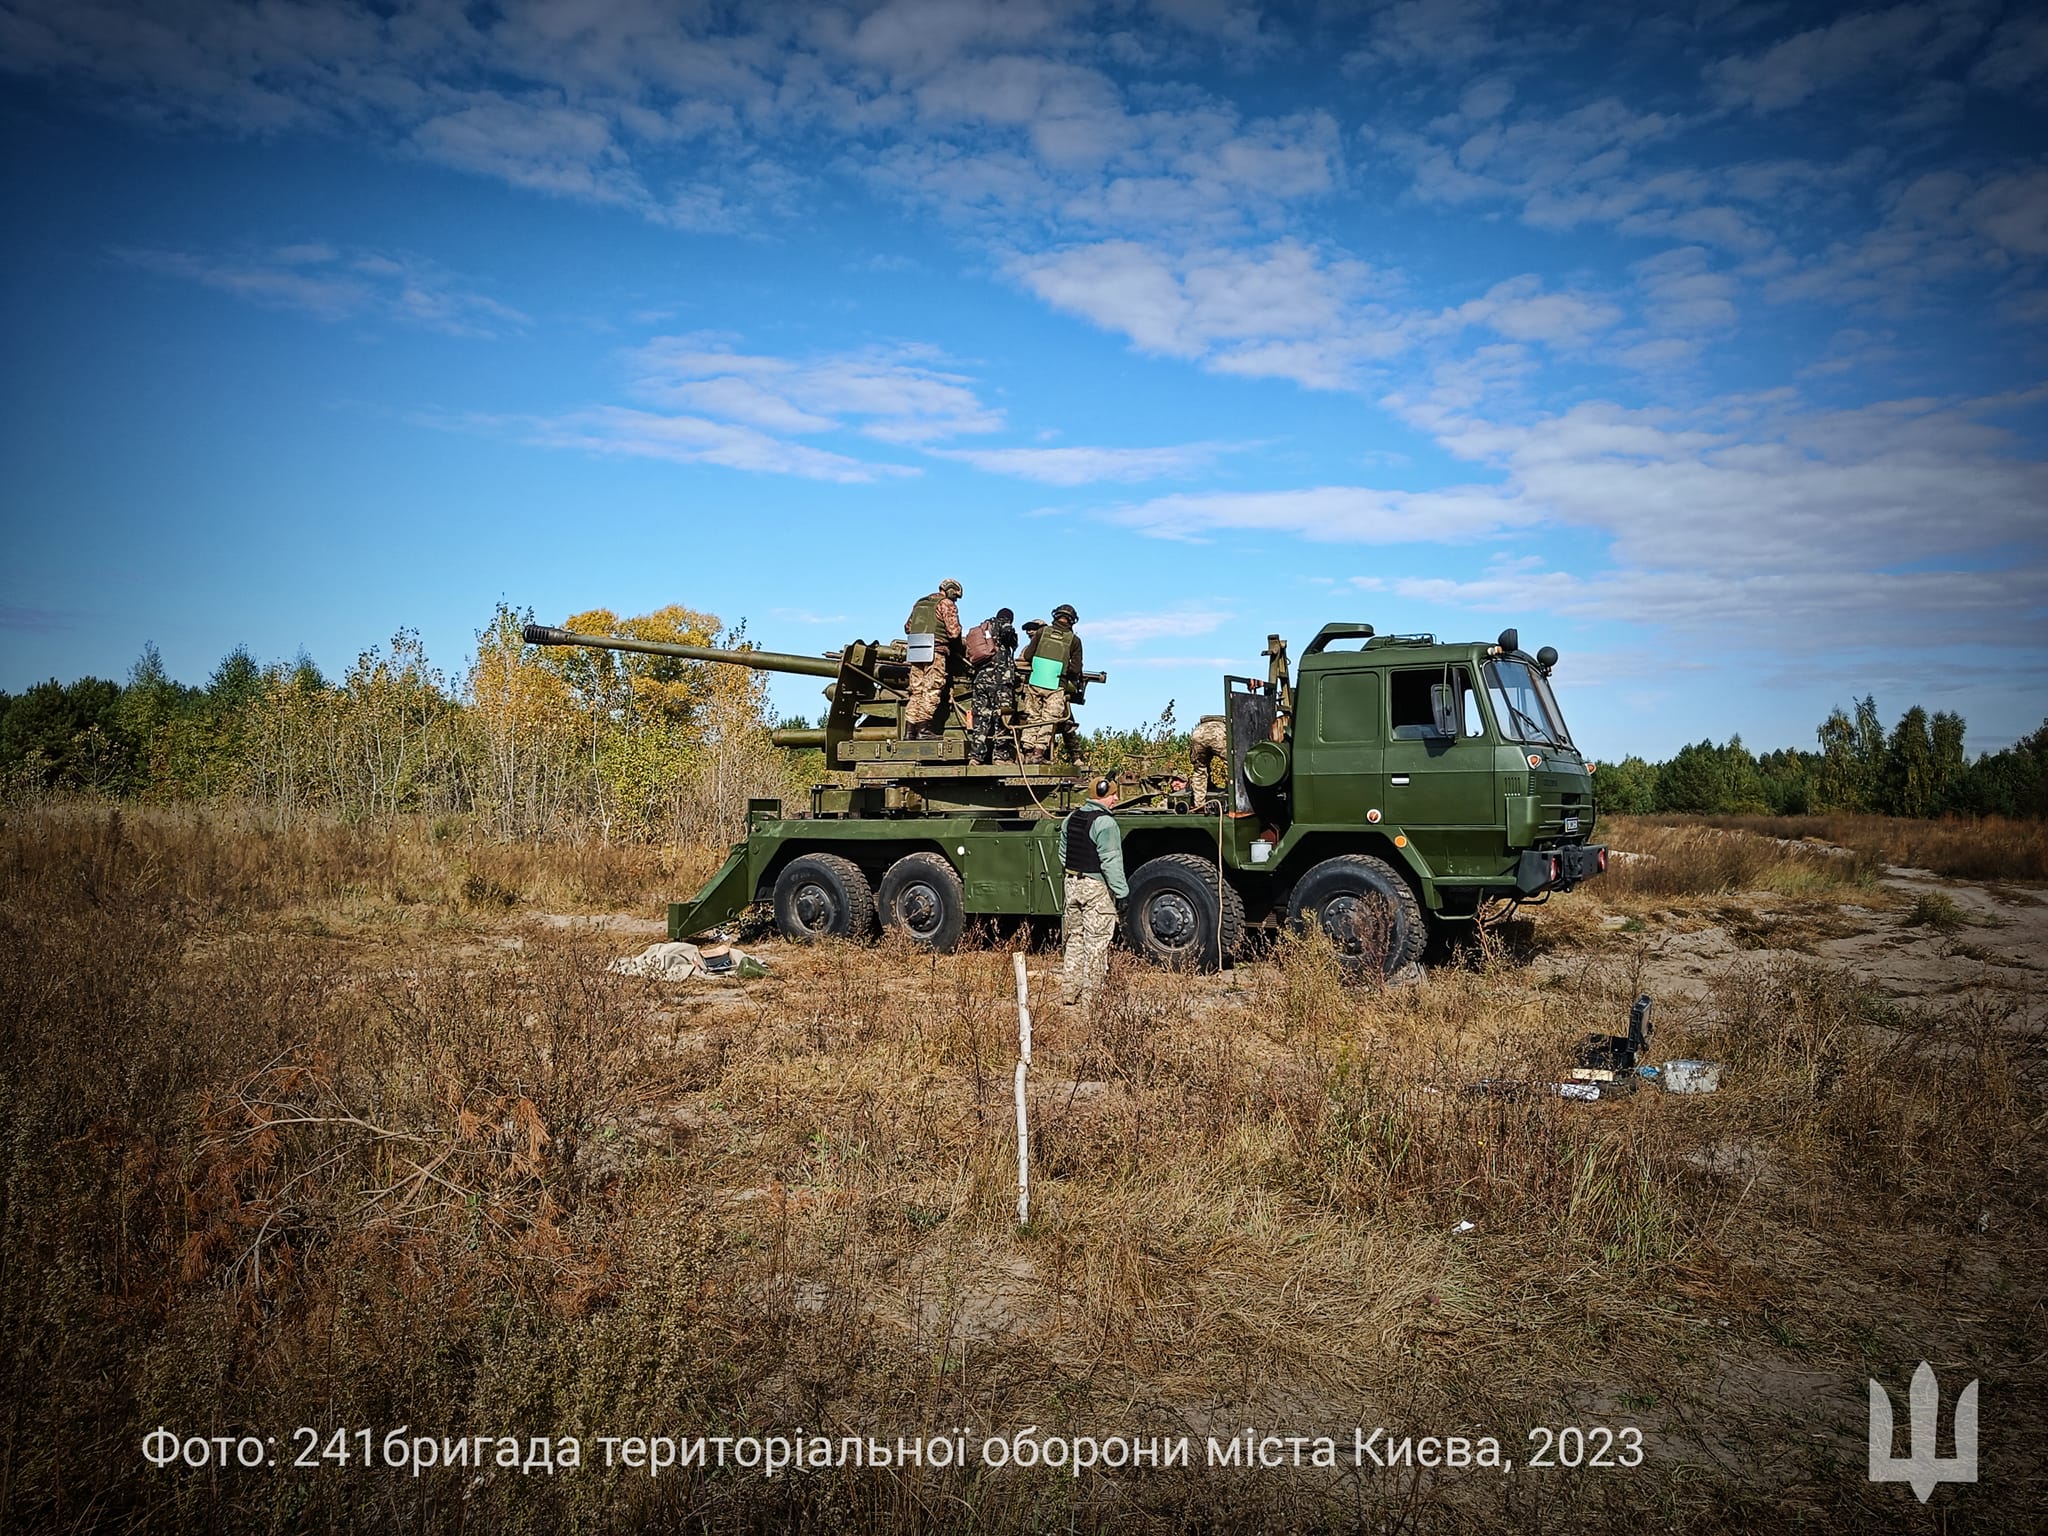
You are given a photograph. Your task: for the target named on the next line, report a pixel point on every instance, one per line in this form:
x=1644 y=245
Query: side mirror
x=1443 y=704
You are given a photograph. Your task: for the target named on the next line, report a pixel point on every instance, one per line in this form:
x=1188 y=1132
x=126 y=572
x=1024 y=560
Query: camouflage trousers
x=1045 y=715
x=991 y=697
x=927 y=693
x=1086 y=932
x=1209 y=741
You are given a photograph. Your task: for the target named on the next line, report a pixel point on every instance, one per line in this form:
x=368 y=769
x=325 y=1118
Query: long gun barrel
x=760 y=661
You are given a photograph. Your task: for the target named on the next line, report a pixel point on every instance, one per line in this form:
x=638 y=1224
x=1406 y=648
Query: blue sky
x=1707 y=343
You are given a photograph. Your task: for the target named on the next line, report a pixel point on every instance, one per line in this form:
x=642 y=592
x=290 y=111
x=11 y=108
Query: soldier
x=991 y=650
x=1092 y=855
x=1054 y=660
x=937 y=618
x=1209 y=741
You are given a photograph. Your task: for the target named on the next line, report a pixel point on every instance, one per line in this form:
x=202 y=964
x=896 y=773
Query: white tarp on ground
x=678 y=962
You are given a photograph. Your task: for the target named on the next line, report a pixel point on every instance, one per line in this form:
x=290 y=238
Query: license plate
x=1571 y=823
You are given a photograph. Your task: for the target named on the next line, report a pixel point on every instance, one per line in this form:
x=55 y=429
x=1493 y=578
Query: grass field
x=354 y=1129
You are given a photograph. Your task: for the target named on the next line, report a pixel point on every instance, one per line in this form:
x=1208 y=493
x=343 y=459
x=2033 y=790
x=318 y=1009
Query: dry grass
x=1987 y=848
x=298 y=1131
x=1665 y=858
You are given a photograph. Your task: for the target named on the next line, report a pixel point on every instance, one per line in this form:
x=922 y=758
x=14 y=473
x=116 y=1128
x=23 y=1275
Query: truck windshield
x=1522 y=702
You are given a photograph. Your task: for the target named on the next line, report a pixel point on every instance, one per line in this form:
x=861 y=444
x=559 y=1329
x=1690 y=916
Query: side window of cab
x=1410 y=714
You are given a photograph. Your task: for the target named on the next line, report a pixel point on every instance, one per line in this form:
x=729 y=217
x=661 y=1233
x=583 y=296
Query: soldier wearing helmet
x=1054 y=684
x=933 y=629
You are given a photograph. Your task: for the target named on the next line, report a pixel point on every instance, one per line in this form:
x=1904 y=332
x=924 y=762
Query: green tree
x=1870 y=754
x=1909 y=777
x=1787 y=780
x=1835 y=777
x=1742 y=791
x=1626 y=788
x=1695 y=782
x=1949 y=763
x=69 y=736
x=2012 y=782
x=236 y=683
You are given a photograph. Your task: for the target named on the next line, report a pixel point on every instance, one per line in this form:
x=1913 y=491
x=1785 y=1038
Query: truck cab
x=1456 y=757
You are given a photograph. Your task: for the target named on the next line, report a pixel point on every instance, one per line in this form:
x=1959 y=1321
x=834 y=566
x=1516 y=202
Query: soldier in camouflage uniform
x=995 y=681
x=1046 y=710
x=1209 y=741
x=1092 y=858
x=937 y=615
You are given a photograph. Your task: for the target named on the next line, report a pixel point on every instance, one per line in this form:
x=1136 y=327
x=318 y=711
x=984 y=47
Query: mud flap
x=725 y=896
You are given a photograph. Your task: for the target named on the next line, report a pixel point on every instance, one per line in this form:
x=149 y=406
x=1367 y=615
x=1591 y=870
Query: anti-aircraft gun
x=872 y=769
x=1394 y=783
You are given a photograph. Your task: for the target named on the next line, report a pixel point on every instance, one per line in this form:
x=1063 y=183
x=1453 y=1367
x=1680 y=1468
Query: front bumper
x=1558 y=869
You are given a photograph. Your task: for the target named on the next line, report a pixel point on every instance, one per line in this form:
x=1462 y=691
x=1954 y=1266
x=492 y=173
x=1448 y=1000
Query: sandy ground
x=2002 y=942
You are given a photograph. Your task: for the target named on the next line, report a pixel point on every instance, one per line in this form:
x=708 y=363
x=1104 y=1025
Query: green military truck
x=1396 y=782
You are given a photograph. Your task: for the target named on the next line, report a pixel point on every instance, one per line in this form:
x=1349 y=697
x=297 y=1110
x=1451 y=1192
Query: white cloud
x=1684 y=292
x=2011 y=212
x=898 y=394
x=740 y=410
x=1090 y=466
x=1240 y=28
x=543 y=146
x=1867 y=43
x=1752 y=521
x=1203 y=663
x=1138 y=628
x=1581 y=166
x=1662 y=355
x=1941 y=227
x=1521 y=310
x=618 y=431
x=1802 y=612
x=1286 y=310
x=2015 y=56
x=1329 y=514
x=334 y=285
x=1439 y=33
x=1854 y=349
x=1802 y=525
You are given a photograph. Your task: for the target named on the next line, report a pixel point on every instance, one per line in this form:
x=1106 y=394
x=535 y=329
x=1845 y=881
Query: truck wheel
x=920 y=896
x=1366 y=908
x=1174 y=914
x=822 y=896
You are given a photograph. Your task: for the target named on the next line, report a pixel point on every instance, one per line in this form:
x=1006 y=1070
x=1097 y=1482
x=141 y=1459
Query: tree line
x=535 y=743
x=529 y=742
x=1917 y=769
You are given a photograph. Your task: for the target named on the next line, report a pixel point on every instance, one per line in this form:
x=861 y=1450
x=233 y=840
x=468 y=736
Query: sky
x=1707 y=343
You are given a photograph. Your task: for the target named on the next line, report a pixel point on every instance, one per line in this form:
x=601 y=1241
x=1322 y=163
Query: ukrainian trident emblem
x=1920 y=1466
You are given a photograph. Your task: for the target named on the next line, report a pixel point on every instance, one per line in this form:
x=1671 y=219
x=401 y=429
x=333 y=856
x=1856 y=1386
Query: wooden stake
x=1023 y=1120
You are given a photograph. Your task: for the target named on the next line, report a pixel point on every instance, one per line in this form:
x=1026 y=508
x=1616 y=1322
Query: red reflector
x=1553 y=869
x=1603 y=861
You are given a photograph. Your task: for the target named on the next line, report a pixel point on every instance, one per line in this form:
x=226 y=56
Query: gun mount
x=872 y=768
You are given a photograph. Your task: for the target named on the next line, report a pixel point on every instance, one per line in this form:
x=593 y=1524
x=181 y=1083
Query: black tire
x=1173 y=914
x=822 y=896
x=921 y=896
x=1363 y=904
